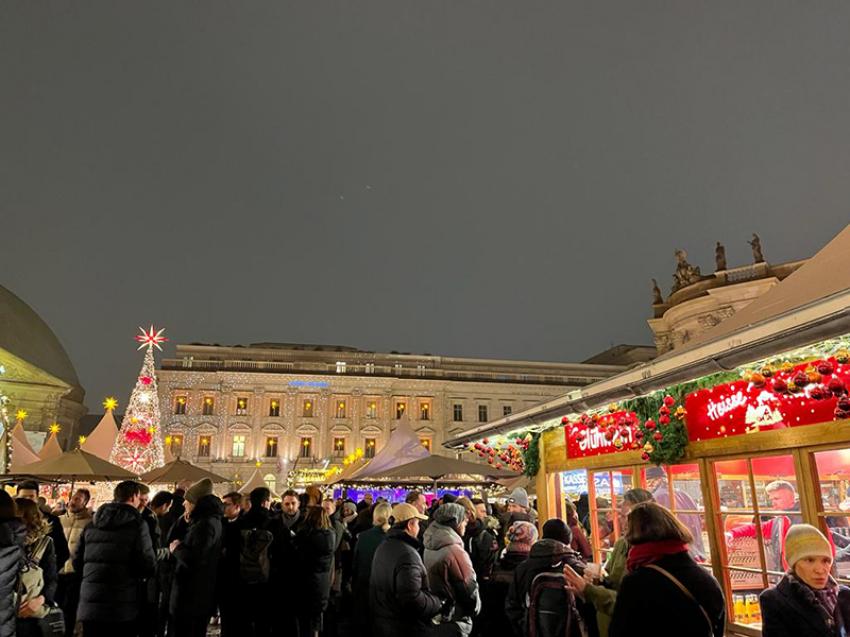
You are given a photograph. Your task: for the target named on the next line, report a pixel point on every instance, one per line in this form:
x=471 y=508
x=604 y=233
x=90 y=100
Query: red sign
x=767 y=403
x=583 y=441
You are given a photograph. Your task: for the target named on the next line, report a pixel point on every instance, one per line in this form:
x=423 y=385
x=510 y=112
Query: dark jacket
x=400 y=598
x=315 y=551
x=197 y=555
x=364 y=551
x=60 y=542
x=256 y=518
x=114 y=556
x=545 y=556
x=12 y=534
x=786 y=612
x=481 y=541
x=647 y=593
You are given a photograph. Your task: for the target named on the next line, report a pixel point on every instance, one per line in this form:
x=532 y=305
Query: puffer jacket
x=451 y=574
x=546 y=556
x=114 y=556
x=12 y=535
x=73 y=525
x=481 y=541
x=315 y=551
x=196 y=557
x=400 y=599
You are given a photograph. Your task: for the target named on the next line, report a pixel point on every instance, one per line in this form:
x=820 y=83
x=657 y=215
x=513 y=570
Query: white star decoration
x=150 y=338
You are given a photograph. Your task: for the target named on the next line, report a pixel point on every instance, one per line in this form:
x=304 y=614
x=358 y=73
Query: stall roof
x=811 y=305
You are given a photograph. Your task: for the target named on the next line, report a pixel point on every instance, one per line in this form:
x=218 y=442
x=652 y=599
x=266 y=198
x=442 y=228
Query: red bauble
x=818 y=393
x=609 y=435
x=145 y=380
x=843 y=404
x=664 y=410
x=644 y=456
x=486 y=441
x=639 y=434
x=825 y=368
x=649 y=424
x=669 y=401
x=800 y=379
x=842 y=415
x=658 y=436
x=565 y=420
x=836 y=386
x=664 y=420
x=780 y=386
x=489 y=460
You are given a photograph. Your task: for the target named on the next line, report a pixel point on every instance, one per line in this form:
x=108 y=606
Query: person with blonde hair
x=664 y=582
x=364 y=552
x=38 y=549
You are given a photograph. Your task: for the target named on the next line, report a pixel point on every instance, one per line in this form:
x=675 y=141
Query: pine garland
x=531 y=456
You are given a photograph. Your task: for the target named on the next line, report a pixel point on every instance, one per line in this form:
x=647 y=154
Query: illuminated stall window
x=758 y=503
x=605 y=495
x=833 y=482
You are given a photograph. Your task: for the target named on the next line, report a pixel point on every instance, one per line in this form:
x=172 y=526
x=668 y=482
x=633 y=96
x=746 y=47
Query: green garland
x=646 y=407
x=671 y=448
x=531 y=456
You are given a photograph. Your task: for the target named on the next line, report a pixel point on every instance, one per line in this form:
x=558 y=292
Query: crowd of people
x=310 y=566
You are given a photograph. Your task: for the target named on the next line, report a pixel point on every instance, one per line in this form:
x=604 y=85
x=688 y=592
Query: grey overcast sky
x=495 y=179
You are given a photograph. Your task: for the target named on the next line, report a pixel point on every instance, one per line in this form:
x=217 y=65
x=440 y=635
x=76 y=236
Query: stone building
x=287 y=406
x=699 y=302
x=38 y=375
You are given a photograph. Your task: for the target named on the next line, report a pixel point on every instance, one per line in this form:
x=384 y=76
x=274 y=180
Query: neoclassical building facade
x=284 y=407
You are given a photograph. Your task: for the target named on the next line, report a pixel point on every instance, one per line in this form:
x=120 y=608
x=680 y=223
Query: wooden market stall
x=761 y=409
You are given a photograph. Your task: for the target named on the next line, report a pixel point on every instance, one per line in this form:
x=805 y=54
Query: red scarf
x=650 y=552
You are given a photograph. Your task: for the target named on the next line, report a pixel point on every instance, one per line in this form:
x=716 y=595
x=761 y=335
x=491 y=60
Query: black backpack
x=550 y=607
x=254 y=563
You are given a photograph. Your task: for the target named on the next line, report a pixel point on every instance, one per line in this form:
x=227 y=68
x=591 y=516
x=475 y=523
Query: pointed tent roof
x=77 y=465
x=177 y=471
x=256 y=480
x=439 y=467
x=102 y=438
x=402 y=447
x=22 y=454
x=20 y=435
x=51 y=448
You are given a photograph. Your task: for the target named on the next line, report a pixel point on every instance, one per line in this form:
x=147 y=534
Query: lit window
x=204 y=444
x=400 y=408
x=457 y=412
x=425 y=442
x=209 y=406
x=238 y=446
x=176 y=445
x=274 y=408
x=241 y=406
x=482 y=413
x=271 y=482
x=306 y=447
x=180 y=406
x=397 y=369
x=369 y=368
x=507 y=410
x=271 y=447
x=369 y=452
x=307 y=409
x=425 y=411
x=339 y=447
x=372 y=409
x=420 y=370
x=340 y=367
x=340 y=409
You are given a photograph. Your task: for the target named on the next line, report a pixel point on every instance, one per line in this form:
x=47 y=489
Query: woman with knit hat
x=807 y=600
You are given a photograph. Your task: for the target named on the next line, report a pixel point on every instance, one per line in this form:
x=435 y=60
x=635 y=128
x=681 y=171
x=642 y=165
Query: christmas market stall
x=741 y=433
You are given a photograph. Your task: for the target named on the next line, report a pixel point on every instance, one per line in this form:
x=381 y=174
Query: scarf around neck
x=825 y=599
x=651 y=552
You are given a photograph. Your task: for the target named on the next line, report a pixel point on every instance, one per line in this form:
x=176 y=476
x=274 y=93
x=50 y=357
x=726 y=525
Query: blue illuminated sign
x=320 y=384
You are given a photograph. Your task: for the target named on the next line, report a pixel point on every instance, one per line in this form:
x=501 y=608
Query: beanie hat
x=521 y=535
x=451 y=514
x=519 y=496
x=556 y=529
x=199 y=490
x=804 y=540
x=448 y=498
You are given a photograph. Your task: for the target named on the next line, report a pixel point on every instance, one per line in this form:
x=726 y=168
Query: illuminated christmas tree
x=138 y=446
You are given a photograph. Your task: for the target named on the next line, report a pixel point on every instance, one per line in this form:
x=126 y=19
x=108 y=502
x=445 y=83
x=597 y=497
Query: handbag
x=686 y=592
x=51 y=625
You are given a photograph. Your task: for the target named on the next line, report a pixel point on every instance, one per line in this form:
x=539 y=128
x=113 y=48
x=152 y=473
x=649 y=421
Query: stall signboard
x=575 y=482
x=585 y=442
x=797 y=396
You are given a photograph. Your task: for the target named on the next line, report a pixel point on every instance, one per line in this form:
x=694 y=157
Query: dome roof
x=24 y=334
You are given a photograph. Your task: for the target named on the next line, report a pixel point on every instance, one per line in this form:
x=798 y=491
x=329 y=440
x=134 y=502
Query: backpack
x=254 y=563
x=31 y=577
x=550 y=607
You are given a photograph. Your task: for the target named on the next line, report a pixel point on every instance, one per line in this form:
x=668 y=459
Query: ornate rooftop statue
x=719 y=257
x=685 y=272
x=657 y=299
x=755 y=244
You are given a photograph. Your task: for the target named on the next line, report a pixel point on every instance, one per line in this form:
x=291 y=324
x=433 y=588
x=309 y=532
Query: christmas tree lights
x=139 y=445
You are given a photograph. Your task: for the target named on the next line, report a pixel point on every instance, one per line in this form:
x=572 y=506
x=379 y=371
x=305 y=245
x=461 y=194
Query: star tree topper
x=150 y=338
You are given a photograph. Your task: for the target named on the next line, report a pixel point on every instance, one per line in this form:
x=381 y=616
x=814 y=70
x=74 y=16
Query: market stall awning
x=102 y=438
x=177 y=471
x=22 y=453
x=440 y=468
x=811 y=305
x=256 y=480
x=76 y=465
x=402 y=447
x=51 y=448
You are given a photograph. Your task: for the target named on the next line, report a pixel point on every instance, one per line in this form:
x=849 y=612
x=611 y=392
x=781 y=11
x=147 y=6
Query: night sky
x=493 y=179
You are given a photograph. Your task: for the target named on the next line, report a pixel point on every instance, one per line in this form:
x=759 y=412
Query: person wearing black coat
x=12 y=536
x=196 y=556
x=115 y=556
x=400 y=598
x=315 y=542
x=807 y=600
x=38 y=547
x=29 y=490
x=649 y=602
